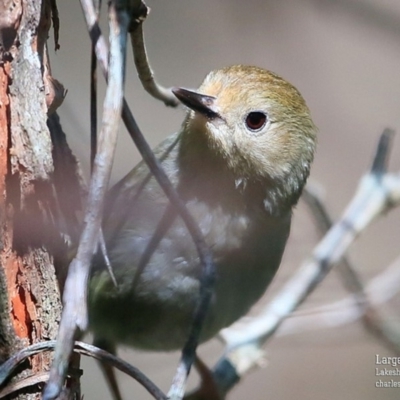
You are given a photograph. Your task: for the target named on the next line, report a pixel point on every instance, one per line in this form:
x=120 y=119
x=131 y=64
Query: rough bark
x=39 y=190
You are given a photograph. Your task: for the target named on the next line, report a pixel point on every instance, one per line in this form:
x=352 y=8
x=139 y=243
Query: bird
x=239 y=163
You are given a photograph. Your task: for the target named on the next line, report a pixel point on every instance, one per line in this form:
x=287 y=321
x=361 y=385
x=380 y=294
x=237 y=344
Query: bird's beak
x=200 y=103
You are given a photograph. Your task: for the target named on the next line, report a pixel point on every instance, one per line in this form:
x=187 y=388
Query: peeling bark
x=37 y=218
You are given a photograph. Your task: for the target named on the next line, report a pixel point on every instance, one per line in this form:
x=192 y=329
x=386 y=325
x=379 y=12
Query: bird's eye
x=256 y=120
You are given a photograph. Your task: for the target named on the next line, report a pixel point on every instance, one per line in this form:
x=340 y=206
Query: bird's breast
x=158 y=271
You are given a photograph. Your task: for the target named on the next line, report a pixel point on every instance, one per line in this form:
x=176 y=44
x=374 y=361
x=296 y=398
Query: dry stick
x=379 y=290
x=377 y=193
x=144 y=70
x=75 y=308
x=351 y=280
x=93 y=136
x=205 y=256
x=82 y=348
x=56 y=23
x=93 y=95
x=370 y=316
x=39 y=377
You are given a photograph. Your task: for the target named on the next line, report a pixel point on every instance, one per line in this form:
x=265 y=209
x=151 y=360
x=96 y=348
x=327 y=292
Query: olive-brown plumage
x=239 y=162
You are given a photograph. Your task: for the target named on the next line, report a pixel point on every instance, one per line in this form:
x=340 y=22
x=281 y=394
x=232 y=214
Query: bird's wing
x=123 y=198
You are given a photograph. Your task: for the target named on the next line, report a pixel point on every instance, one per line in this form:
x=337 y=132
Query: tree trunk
x=39 y=189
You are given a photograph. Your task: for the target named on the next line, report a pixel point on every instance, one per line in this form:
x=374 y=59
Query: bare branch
x=372 y=319
x=93 y=95
x=75 y=292
x=381 y=159
x=379 y=290
x=145 y=72
x=56 y=23
x=32 y=380
x=82 y=348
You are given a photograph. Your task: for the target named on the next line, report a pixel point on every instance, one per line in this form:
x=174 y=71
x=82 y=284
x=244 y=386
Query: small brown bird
x=239 y=162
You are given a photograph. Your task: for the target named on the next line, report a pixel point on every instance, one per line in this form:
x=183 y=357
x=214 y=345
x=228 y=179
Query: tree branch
x=146 y=75
x=75 y=292
x=12 y=363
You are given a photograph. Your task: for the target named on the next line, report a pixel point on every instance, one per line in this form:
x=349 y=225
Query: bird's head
x=258 y=124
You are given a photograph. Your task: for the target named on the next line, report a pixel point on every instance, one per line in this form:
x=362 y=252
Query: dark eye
x=256 y=120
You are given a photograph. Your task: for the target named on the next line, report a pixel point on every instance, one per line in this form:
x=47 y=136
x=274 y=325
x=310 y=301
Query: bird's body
x=239 y=184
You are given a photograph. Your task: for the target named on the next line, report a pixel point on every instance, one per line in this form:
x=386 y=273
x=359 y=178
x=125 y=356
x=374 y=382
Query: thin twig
x=40 y=377
x=350 y=277
x=347 y=272
x=145 y=73
x=75 y=292
x=362 y=305
x=123 y=366
x=379 y=290
x=11 y=364
x=93 y=134
x=381 y=159
x=56 y=23
x=93 y=95
x=205 y=255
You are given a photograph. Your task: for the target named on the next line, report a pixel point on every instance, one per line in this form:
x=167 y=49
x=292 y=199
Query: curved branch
x=79 y=347
x=145 y=72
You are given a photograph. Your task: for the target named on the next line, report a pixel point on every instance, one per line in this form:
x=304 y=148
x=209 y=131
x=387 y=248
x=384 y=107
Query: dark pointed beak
x=200 y=103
